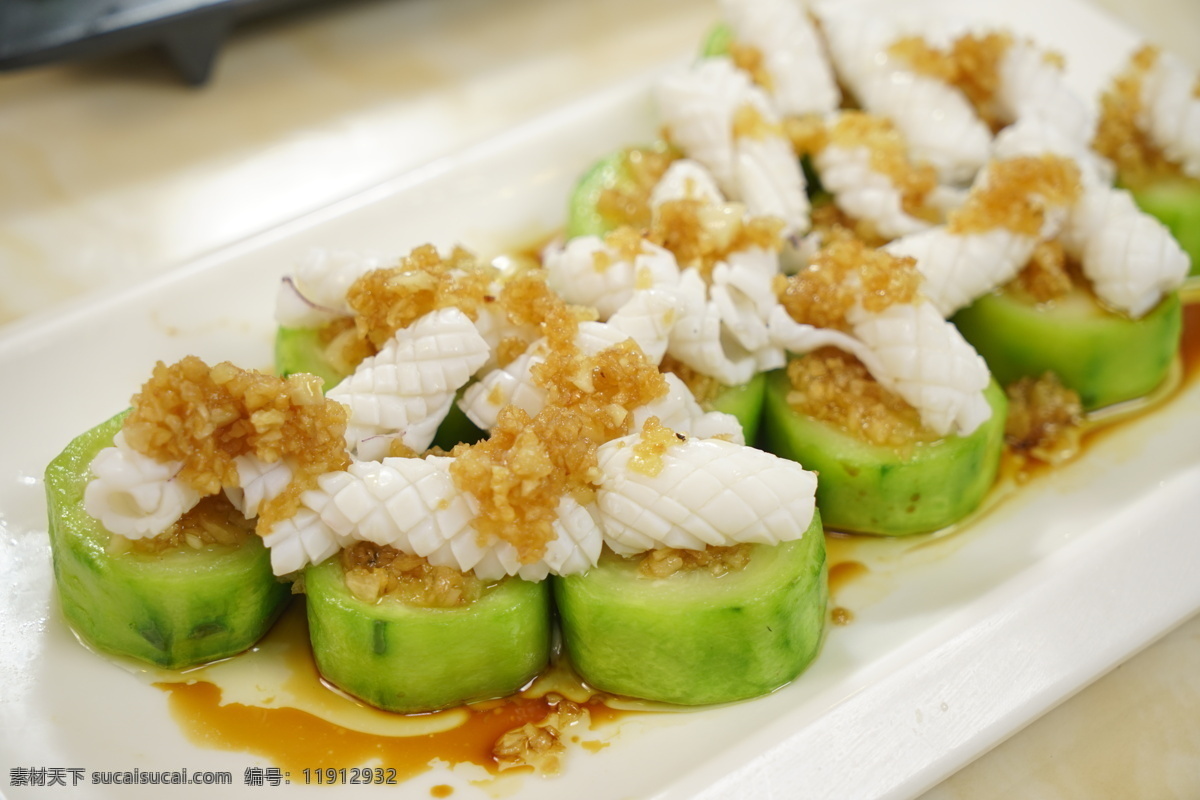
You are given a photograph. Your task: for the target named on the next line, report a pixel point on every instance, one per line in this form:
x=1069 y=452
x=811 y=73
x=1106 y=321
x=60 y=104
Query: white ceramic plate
x=956 y=641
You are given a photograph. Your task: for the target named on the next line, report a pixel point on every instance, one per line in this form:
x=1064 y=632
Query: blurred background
x=114 y=168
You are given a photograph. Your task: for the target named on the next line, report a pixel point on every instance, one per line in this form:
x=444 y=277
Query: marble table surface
x=112 y=171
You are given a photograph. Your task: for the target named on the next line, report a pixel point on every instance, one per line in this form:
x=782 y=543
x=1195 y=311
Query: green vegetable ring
x=867 y=488
x=693 y=638
x=409 y=659
x=176 y=609
x=1106 y=357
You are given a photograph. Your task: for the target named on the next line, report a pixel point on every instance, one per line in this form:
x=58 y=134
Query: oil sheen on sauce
x=317 y=727
x=309 y=725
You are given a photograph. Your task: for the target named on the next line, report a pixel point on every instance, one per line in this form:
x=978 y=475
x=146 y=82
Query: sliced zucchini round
x=176 y=609
x=868 y=488
x=1106 y=357
x=694 y=638
x=409 y=659
x=1176 y=204
x=299 y=350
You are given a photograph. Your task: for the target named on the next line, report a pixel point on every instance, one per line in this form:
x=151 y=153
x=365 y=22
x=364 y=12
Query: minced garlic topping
x=717 y=561
x=208 y=416
x=1015 y=195
x=373 y=571
x=889 y=156
x=972 y=64
x=749 y=123
x=843 y=274
x=700 y=234
x=749 y=59
x=530 y=303
x=1044 y=419
x=834 y=387
x=521 y=471
x=807 y=133
x=1046 y=277
x=386 y=300
x=628 y=201
x=342 y=346
x=211 y=522
x=653 y=444
x=539 y=745
x=1119 y=138
x=703 y=387
x=832 y=224
x=621 y=244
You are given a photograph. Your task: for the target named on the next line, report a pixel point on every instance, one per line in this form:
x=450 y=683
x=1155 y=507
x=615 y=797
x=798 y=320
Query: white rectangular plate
x=955 y=643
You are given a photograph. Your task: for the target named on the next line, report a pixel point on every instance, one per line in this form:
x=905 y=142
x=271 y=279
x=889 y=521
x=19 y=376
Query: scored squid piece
x=1032 y=86
x=911 y=350
x=679 y=411
x=514 y=384
x=135 y=495
x=1131 y=258
x=865 y=166
x=590 y=271
x=925 y=360
x=936 y=119
x=700 y=492
x=1171 y=111
x=413 y=505
x=990 y=238
x=315 y=293
x=407 y=388
x=720 y=119
x=801 y=80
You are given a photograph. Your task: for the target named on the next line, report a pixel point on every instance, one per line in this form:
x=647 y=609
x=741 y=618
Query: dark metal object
x=191 y=31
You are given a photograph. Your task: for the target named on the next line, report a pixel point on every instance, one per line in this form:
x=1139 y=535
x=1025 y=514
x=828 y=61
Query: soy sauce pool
x=271 y=702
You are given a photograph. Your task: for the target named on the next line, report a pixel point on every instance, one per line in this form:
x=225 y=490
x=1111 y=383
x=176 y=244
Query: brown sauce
x=296 y=740
x=844 y=572
x=332 y=737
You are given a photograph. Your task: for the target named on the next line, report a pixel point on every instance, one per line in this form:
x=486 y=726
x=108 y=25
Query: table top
x=114 y=170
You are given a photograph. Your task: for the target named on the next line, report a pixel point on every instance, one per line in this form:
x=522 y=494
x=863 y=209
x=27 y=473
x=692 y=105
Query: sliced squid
x=925 y=360
x=588 y=271
x=911 y=350
x=406 y=389
x=1034 y=136
x=134 y=495
x=703 y=492
x=300 y=540
x=686 y=179
x=960 y=265
x=1170 y=111
x=1129 y=256
x=936 y=119
x=679 y=411
x=514 y=385
x=414 y=506
x=720 y=119
x=850 y=169
x=700 y=340
x=259 y=482
x=316 y=292
x=1032 y=86
x=800 y=77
